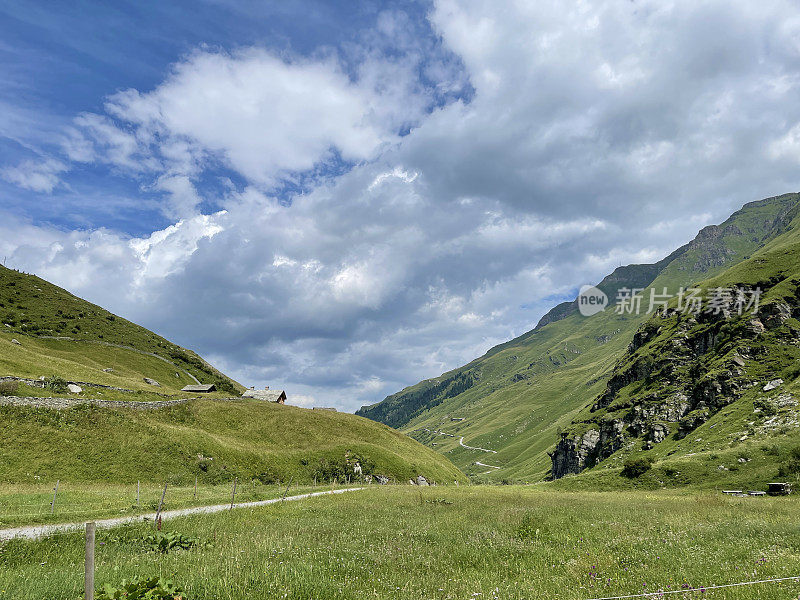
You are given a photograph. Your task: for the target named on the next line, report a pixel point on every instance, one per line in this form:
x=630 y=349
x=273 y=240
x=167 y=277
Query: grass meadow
x=444 y=543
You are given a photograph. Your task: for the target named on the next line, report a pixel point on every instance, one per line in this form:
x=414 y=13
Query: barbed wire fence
x=49 y=504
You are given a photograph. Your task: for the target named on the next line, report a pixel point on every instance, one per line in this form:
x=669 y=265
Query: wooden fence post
x=88 y=581
x=287 y=489
x=233 y=495
x=160 y=506
x=55 y=493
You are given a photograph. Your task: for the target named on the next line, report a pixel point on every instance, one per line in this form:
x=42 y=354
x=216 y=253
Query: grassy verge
x=467 y=542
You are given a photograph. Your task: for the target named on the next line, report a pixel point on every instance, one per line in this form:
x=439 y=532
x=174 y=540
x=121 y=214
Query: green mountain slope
x=47 y=332
x=693 y=384
x=518 y=397
x=62 y=335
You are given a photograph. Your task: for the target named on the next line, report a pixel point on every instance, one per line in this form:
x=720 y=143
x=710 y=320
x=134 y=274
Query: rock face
x=149 y=381
x=574 y=454
x=679 y=370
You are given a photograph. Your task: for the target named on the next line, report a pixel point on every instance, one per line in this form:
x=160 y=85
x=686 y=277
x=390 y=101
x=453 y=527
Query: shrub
x=142 y=588
x=636 y=467
x=791 y=466
x=225 y=385
x=767 y=407
x=8 y=388
x=165 y=542
x=56 y=384
x=527 y=529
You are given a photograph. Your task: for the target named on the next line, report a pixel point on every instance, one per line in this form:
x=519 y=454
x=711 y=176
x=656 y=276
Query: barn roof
x=203 y=387
x=269 y=395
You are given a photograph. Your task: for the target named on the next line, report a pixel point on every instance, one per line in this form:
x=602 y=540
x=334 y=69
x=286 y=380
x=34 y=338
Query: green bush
x=527 y=529
x=8 y=388
x=791 y=466
x=56 y=384
x=636 y=467
x=225 y=385
x=142 y=588
x=165 y=542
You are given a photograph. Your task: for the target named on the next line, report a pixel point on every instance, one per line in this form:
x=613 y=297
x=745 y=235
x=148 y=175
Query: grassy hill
x=213 y=440
x=47 y=332
x=65 y=336
x=520 y=396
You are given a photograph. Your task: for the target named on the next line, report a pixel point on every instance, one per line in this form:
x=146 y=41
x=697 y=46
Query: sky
x=341 y=199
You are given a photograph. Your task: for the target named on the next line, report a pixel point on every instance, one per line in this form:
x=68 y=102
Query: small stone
x=743 y=460
x=149 y=381
x=775 y=383
x=15 y=341
x=108 y=370
x=74 y=389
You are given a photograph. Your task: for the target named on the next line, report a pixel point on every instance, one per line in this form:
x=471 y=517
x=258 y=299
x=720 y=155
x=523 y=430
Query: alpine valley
x=701 y=396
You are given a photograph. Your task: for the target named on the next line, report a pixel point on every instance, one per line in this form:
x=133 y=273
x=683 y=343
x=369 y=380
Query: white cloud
x=266 y=116
x=37 y=176
x=599 y=134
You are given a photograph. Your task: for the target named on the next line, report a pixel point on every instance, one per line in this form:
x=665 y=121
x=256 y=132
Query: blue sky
x=61 y=60
x=341 y=199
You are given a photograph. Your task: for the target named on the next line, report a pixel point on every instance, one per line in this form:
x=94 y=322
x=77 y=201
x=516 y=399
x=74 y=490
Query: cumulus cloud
x=595 y=135
x=263 y=115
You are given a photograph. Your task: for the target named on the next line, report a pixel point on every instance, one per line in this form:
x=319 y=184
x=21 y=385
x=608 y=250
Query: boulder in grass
x=74 y=389
x=15 y=341
x=149 y=381
x=775 y=383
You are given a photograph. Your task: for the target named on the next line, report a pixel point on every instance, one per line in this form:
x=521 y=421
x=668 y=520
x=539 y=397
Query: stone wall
x=65 y=403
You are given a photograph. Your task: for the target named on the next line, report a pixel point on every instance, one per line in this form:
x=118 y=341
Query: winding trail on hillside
x=460 y=441
x=33 y=532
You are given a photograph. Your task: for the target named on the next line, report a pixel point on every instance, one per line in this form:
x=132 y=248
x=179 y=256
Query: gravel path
x=460 y=441
x=33 y=532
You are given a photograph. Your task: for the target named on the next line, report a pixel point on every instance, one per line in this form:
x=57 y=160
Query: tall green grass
x=411 y=543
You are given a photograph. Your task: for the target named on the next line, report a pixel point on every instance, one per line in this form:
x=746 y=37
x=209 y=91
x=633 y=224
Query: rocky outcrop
x=574 y=453
x=674 y=382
